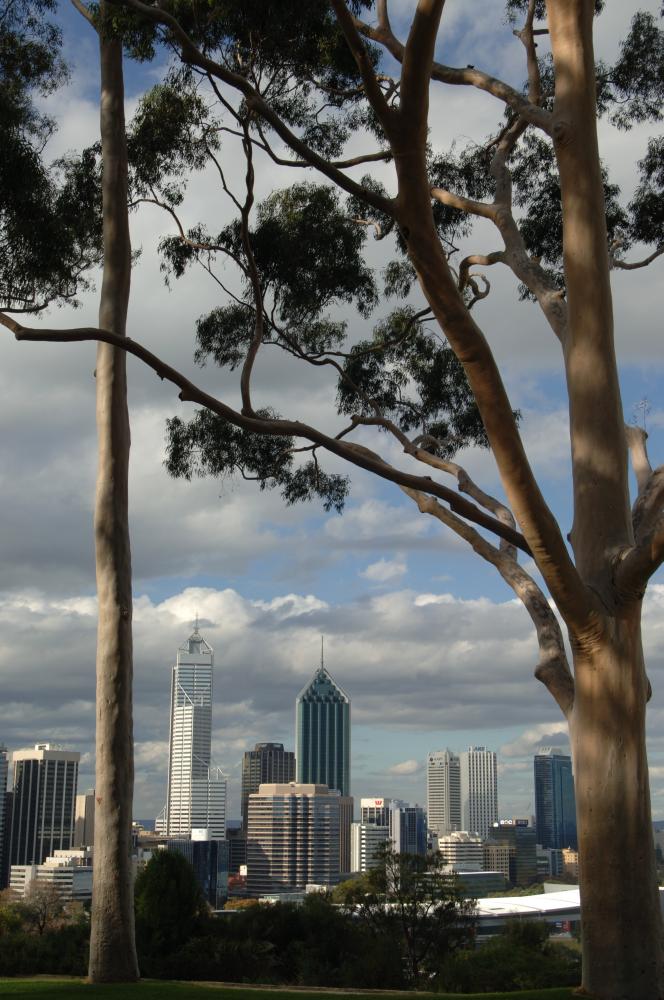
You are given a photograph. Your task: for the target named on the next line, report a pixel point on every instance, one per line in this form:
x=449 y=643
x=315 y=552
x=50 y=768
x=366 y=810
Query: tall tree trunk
x=112 y=942
x=623 y=957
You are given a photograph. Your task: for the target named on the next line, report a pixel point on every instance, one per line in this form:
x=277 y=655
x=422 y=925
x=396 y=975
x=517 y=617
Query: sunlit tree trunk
x=112 y=943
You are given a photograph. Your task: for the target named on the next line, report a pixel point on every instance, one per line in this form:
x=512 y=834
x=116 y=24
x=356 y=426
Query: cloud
x=546 y=734
x=406 y=767
x=384 y=570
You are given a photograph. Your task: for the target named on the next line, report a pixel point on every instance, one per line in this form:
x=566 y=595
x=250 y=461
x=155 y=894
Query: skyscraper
x=267 y=763
x=196 y=796
x=443 y=792
x=406 y=823
x=322 y=725
x=292 y=838
x=479 y=790
x=4 y=818
x=555 y=807
x=43 y=804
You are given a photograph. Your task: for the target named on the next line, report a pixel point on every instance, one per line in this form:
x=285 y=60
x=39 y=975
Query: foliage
x=169 y=903
x=520 y=958
x=408 y=900
x=50 y=223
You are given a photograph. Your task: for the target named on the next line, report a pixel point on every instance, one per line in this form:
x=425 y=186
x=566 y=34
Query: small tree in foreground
x=305 y=78
x=408 y=899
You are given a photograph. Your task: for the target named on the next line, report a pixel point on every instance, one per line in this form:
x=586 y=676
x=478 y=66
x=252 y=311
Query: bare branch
x=84 y=12
x=384 y=113
x=552 y=669
x=465 y=77
x=638 y=452
x=623 y=265
x=482 y=208
x=275 y=427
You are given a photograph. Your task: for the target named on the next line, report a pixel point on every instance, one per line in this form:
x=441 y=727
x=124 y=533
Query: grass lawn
x=58 y=989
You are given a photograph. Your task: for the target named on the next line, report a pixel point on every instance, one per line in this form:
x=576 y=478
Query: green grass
x=56 y=989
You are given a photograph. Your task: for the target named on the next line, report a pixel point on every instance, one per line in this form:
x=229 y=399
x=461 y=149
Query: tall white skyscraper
x=479 y=790
x=443 y=792
x=196 y=797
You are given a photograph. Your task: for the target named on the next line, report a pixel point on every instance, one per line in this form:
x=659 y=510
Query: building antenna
x=322 y=666
x=196 y=623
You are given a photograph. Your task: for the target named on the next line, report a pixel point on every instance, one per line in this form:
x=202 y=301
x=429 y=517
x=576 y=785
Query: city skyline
x=436 y=650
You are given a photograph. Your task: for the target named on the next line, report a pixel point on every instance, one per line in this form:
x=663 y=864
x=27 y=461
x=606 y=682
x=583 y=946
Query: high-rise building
x=322 y=726
x=43 y=803
x=520 y=838
x=479 y=790
x=292 y=838
x=84 y=819
x=462 y=851
x=366 y=840
x=406 y=823
x=196 y=796
x=4 y=818
x=266 y=764
x=443 y=792
x=555 y=807
x=209 y=859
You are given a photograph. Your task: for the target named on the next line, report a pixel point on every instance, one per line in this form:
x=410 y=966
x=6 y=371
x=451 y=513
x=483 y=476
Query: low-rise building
x=68 y=871
x=462 y=851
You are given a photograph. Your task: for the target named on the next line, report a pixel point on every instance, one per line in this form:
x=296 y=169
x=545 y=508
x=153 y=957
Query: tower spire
x=196 y=624
x=322 y=665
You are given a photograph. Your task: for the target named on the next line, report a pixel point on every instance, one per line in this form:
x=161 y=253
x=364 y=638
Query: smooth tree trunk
x=623 y=955
x=112 y=941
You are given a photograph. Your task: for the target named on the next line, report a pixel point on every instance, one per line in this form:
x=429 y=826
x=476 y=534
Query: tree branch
x=465 y=77
x=552 y=669
x=623 y=265
x=192 y=55
x=275 y=427
x=484 y=209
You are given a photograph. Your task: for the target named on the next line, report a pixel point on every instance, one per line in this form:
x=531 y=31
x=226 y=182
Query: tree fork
x=112 y=940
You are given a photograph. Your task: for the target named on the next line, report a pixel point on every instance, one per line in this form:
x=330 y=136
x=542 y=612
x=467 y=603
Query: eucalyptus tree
x=561 y=229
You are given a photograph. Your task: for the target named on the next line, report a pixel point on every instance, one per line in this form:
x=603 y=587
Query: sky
x=428 y=642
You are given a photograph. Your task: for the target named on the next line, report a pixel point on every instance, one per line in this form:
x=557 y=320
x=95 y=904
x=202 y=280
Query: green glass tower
x=322 y=725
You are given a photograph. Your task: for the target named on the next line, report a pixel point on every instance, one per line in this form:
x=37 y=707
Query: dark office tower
x=555 y=809
x=322 y=722
x=4 y=818
x=44 y=798
x=266 y=764
x=520 y=839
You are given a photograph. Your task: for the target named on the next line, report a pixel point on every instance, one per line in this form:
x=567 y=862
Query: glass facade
x=267 y=763
x=555 y=806
x=322 y=713
x=43 y=803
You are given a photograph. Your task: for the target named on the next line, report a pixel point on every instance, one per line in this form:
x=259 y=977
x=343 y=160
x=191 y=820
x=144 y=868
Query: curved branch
x=275 y=427
x=484 y=209
x=553 y=668
x=465 y=77
x=623 y=265
x=192 y=55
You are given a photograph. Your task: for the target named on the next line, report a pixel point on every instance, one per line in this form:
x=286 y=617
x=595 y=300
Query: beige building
x=84 y=819
x=497 y=858
x=462 y=851
x=570 y=863
x=292 y=838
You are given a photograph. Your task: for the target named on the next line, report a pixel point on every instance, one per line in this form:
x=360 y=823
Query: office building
x=84 y=819
x=292 y=838
x=366 y=841
x=236 y=839
x=520 y=838
x=409 y=829
x=266 y=764
x=44 y=796
x=69 y=872
x=406 y=823
x=443 y=792
x=209 y=859
x=479 y=790
x=497 y=858
x=555 y=808
x=196 y=795
x=4 y=817
x=462 y=851
x=322 y=726
x=346 y=809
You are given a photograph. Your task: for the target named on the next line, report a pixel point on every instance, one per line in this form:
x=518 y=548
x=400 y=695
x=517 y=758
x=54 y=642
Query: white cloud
x=384 y=570
x=547 y=733
x=406 y=767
